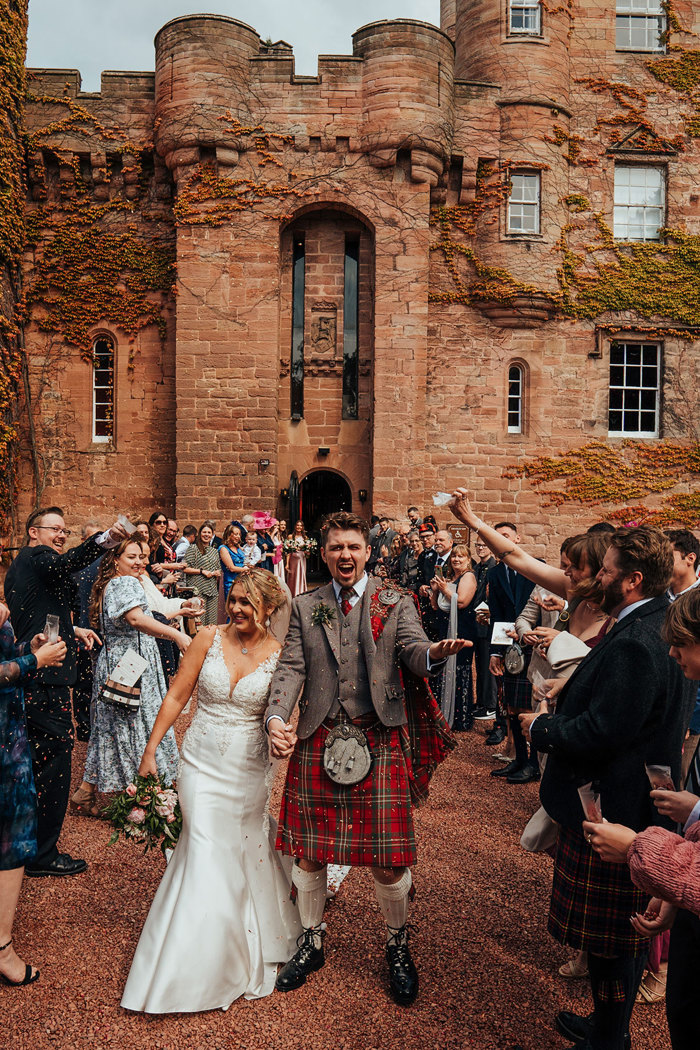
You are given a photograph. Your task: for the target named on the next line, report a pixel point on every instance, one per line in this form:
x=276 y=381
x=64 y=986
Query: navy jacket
x=506 y=602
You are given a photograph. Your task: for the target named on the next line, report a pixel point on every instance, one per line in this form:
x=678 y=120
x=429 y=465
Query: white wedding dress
x=221 y=920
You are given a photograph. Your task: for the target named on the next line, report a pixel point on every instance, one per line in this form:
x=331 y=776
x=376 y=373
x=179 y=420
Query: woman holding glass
x=455 y=599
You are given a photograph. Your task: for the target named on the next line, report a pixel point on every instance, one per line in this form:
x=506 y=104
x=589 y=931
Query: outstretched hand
x=447 y=647
x=462 y=509
x=658 y=917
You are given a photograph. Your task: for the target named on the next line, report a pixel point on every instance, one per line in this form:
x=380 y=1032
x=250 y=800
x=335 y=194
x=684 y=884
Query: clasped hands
x=282 y=737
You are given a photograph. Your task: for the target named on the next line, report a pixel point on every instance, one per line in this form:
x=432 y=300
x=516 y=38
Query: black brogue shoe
x=307 y=959
x=403 y=976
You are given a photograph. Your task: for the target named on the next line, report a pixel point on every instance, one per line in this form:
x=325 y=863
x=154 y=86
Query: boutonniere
x=322 y=615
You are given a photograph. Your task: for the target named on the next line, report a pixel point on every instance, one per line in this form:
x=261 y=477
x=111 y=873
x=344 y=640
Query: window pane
x=639 y=203
x=103 y=390
x=633 y=402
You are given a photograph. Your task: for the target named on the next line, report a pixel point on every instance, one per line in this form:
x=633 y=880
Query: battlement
x=115 y=84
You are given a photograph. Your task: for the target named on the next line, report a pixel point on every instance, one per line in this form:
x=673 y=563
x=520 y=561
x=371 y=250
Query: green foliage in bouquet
x=146 y=813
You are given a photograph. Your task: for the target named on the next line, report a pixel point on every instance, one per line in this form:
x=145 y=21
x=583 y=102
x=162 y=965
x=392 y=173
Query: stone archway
x=321 y=492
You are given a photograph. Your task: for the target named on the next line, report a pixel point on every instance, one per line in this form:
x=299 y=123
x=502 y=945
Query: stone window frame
x=647 y=163
x=628 y=338
x=643 y=12
x=523 y=6
x=523 y=169
x=522 y=397
x=103 y=441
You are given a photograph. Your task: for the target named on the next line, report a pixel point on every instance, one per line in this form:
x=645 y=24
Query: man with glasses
x=40 y=582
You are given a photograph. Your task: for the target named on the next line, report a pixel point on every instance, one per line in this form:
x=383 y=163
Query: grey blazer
x=311 y=652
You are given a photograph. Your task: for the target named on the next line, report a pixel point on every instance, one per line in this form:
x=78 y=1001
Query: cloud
x=93 y=36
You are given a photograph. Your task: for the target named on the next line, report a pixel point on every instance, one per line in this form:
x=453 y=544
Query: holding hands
x=282 y=737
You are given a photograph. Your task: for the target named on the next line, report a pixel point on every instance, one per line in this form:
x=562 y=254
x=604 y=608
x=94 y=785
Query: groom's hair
x=344 y=521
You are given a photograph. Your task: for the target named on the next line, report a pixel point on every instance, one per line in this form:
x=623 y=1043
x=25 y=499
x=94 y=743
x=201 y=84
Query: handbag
x=124 y=697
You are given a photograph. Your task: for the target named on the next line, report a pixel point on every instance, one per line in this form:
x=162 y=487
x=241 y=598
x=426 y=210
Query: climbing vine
x=13 y=30
x=598 y=474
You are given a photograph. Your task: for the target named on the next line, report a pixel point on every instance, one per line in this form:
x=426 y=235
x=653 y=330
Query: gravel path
x=487 y=965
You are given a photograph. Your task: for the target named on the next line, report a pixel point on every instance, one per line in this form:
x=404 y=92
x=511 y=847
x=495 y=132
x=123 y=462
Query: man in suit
x=39 y=582
x=508 y=595
x=343 y=648
x=485 y=682
x=624 y=706
x=380 y=544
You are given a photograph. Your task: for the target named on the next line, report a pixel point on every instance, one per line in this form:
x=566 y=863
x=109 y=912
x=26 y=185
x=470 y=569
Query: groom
x=343 y=649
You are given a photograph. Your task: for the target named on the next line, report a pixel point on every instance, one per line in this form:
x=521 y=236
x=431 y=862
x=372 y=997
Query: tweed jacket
x=310 y=659
x=624 y=705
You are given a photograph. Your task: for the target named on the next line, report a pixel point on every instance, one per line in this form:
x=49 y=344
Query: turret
x=407 y=96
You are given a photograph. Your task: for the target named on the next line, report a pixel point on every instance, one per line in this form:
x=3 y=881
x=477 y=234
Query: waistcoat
x=353 y=681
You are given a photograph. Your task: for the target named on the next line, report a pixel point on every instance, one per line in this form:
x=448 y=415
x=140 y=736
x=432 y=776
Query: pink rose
x=170 y=819
x=163 y=811
x=131 y=790
x=137 y=815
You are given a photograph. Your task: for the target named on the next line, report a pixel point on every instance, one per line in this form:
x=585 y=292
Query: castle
x=450 y=250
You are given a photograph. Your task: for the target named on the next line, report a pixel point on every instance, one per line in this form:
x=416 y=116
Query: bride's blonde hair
x=262 y=588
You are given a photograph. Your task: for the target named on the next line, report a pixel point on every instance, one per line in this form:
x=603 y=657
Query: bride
x=221 y=919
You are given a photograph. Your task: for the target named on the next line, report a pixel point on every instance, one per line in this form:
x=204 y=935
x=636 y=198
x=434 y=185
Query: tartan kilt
x=592 y=901
x=517 y=691
x=368 y=824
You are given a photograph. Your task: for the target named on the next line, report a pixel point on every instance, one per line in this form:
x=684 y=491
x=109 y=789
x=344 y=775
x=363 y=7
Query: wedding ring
x=589 y=837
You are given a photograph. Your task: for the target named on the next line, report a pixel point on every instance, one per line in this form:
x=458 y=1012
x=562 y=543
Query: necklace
x=245 y=649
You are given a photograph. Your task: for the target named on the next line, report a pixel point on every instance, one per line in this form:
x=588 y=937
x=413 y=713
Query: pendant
x=244 y=650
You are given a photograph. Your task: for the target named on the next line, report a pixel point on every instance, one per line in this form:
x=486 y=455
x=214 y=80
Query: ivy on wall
x=13 y=33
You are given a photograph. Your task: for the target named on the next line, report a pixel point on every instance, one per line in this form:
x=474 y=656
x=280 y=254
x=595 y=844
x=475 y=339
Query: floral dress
x=118 y=738
x=17 y=794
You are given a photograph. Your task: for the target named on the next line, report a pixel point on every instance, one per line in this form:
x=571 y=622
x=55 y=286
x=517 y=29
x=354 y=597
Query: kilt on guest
x=624 y=705
x=343 y=647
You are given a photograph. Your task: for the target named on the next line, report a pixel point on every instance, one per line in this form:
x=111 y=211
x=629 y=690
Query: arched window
x=103 y=390
x=516 y=390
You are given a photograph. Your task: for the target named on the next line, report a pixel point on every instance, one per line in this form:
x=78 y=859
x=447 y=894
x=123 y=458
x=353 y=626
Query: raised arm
x=506 y=550
x=177 y=696
x=137 y=618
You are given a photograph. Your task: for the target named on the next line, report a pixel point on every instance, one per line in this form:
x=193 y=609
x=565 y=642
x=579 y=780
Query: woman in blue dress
x=17 y=794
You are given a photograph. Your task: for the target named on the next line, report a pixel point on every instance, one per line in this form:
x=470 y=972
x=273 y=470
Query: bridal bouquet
x=299 y=545
x=146 y=813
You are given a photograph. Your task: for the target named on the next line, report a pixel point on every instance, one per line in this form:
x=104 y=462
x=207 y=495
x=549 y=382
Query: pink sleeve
x=667 y=866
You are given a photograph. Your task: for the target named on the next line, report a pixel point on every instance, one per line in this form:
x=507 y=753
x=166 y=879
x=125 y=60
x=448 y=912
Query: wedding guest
x=389 y=565
x=455 y=599
x=142 y=529
x=17 y=794
x=231 y=556
x=164 y=609
x=120 y=612
x=485 y=681
x=40 y=582
x=203 y=569
x=623 y=707
x=252 y=555
x=161 y=551
x=171 y=534
x=82 y=690
x=664 y=864
x=189 y=535
x=296 y=560
x=414 y=517
x=380 y=543
x=277 y=538
x=408 y=562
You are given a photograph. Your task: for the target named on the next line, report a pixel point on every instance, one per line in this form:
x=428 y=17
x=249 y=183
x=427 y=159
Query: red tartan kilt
x=369 y=824
x=592 y=901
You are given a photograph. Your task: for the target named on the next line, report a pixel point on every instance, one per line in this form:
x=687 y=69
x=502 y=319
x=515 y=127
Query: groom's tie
x=346 y=593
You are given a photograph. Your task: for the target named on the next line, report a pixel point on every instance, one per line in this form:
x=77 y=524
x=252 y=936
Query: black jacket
x=624 y=705
x=481 y=571
x=40 y=581
x=506 y=602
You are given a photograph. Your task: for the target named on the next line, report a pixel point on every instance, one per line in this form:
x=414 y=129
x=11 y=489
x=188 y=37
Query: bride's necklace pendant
x=245 y=649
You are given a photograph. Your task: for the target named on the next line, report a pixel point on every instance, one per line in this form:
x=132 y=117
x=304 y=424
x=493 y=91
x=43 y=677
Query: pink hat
x=263 y=519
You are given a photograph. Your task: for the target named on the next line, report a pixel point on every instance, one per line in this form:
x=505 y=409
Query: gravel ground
x=487 y=965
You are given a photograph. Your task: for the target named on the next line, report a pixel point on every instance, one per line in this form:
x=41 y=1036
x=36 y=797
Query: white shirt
x=629 y=608
x=359 y=589
x=181 y=548
x=672 y=597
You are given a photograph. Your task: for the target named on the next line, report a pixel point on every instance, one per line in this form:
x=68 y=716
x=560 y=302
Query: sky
x=94 y=35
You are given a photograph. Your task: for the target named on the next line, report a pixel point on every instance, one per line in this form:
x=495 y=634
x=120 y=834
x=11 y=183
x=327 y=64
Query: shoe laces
x=305 y=940
x=399 y=942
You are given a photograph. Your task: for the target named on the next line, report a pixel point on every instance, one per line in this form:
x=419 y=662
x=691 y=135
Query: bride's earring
x=267 y=622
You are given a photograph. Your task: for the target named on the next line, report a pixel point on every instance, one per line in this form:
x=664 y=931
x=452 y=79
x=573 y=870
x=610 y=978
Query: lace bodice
x=225 y=709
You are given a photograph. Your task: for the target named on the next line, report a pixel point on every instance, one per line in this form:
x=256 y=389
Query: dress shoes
x=507 y=771
x=403 y=976
x=496 y=736
x=63 y=864
x=580 y=1029
x=307 y=959
x=524 y=775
